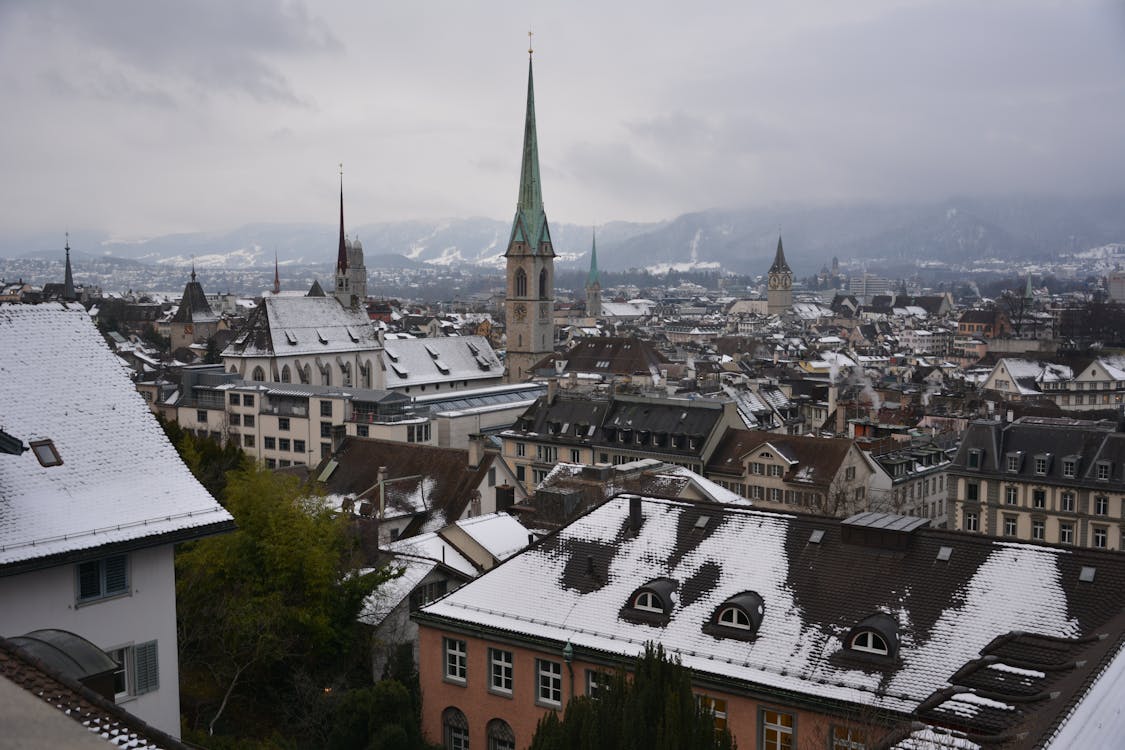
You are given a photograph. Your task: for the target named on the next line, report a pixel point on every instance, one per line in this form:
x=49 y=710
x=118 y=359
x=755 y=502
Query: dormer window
x=1070 y=468
x=1042 y=463
x=873 y=637
x=738 y=617
x=1014 y=461
x=652 y=603
x=975 y=458
x=1103 y=471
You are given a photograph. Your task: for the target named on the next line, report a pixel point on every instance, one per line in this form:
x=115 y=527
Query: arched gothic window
x=456 y=729
x=285 y=374
x=259 y=375
x=500 y=735
x=543 y=284
x=521 y=283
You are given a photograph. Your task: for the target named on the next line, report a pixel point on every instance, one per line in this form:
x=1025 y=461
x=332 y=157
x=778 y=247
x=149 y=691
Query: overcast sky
x=144 y=117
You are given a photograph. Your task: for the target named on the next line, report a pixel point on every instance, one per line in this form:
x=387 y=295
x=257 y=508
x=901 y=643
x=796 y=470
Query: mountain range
x=958 y=230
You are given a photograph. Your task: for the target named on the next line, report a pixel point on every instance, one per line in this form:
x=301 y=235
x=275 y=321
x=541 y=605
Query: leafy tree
x=213 y=355
x=269 y=610
x=655 y=710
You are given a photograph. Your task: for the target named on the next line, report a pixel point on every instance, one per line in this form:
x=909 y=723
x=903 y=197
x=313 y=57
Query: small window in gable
x=874 y=636
x=652 y=603
x=976 y=458
x=738 y=617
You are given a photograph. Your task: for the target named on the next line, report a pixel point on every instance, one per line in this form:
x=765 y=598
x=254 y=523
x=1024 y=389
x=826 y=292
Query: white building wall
x=48 y=599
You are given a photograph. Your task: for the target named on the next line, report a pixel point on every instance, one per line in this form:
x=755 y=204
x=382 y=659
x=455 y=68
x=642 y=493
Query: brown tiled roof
x=822 y=455
x=626 y=356
x=450 y=480
x=114 y=724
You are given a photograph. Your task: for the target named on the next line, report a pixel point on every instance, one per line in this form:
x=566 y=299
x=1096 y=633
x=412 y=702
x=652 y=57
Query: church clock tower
x=779 y=296
x=529 y=303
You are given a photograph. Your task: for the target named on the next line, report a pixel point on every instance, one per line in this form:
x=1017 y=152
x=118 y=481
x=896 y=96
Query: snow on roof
x=432 y=547
x=439 y=360
x=997 y=588
x=389 y=595
x=499 y=533
x=120 y=479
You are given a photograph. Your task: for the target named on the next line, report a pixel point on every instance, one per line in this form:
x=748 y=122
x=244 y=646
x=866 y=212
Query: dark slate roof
x=81 y=704
x=950 y=595
x=610 y=355
x=440 y=477
x=980 y=316
x=1086 y=441
x=194 y=306
x=818 y=459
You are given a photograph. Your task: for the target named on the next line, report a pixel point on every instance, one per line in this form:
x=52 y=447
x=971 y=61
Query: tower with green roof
x=593 y=283
x=529 y=303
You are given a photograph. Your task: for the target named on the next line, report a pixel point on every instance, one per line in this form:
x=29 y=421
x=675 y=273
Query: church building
x=529 y=300
x=593 y=284
x=351 y=273
x=779 y=296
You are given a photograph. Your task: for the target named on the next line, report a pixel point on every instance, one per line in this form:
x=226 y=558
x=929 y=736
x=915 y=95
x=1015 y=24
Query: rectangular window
x=538 y=475
x=298 y=446
x=1069 y=469
x=775 y=495
x=546 y=453
x=1066 y=533
x=1039 y=499
x=271 y=463
x=717 y=707
x=326 y=408
x=777 y=730
x=283 y=462
x=98 y=579
x=362 y=431
x=575 y=456
x=596 y=682
x=974 y=459
x=972 y=522
x=283 y=423
x=548 y=688
x=456 y=660
x=326 y=429
x=247 y=441
x=775 y=470
x=1009 y=525
x=1101 y=506
x=849 y=738
x=1103 y=470
x=972 y=492
x=521 y=473
x=1040 y=465
x=271 y=443
x=247 y=400
x=1038 y=530
x=247 y=420
x=1068 y=502
x=757 y=468
x=1011 y=495
x=235 y=399
x=235 y=420
x=1013 y=462
x=283 y=444
x=521 y=449
x=849 y=473
x=425 y=593
x=137 y=670
x=500 y=671
x=201 y=416
x=1101 y=537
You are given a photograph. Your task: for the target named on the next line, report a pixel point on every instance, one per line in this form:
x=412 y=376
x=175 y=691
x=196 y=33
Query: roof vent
x=883 y=530
x=944 y=554
x=1086 y=575
x=817 y=536
x=701 y=522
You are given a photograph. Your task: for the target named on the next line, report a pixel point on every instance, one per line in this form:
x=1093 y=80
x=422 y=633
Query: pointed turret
x=276 y=276
x=593 y=278
x=779 y=264
x=529 y=228
x=342 y=255
x=68 y=279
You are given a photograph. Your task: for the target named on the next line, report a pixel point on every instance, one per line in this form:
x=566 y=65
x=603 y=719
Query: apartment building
x=1057 y=480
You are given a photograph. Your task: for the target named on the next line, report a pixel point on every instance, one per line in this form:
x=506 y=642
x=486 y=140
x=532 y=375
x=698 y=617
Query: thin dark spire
x=342 y=255
x=68 y=279
x=276 y=275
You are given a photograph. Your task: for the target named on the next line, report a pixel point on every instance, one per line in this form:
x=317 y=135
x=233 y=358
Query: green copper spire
x=530 y=223
x=593 y=277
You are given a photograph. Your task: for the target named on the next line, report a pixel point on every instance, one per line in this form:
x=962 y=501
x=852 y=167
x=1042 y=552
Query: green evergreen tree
x=655 y=709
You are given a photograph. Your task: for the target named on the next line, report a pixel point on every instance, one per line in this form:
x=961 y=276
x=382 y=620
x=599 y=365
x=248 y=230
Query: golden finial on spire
x=529 y=47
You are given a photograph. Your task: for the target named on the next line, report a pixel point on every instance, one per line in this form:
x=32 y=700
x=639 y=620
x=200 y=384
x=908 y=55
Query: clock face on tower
x=786 y=280
x=519 y=311
x=773 y=281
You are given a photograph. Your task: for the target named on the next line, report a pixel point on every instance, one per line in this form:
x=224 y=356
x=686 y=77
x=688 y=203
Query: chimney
x=833 y=398
x=635 y=517
x=381 y=481
x=841 y=418
x=552 y=390
x=476 y=450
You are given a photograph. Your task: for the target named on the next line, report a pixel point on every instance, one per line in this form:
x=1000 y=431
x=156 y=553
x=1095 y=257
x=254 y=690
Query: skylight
x=1086 y=575
x=46 y=453
x=817 y=536
x=944 y=553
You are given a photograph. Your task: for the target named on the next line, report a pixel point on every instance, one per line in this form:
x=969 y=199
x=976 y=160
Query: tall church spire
x=530 y=224
x=342 y=255
x=68 y=279
x=593 y=277
x=779 y=263
x=276 y=275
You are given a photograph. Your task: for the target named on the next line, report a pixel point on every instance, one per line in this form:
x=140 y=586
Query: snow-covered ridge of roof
x=120 y=479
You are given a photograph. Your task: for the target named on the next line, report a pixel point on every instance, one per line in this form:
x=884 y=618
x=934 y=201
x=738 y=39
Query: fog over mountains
x=739 y=240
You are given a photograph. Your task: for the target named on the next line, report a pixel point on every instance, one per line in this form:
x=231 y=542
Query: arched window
x=456 y=729
x=233 y=370
x=870 y=642
x=543 y=284
x=647 y=601
x=259 y=375
x=326 y=376
x=500 y=736
x=285 y=374
x=520 y=283
x=734 y=617
x=304 y=373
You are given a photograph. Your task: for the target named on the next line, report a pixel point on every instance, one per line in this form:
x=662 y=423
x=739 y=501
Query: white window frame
x=456 y=662
x=870 y=642
x=734 y=617
x=775 y=734
x=500 y=671
x=548 y=682
x=1066 y=533
x=648 y=601
x=138 y=664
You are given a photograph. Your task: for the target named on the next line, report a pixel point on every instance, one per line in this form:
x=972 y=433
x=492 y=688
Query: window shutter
x=146 y=671
x=116 y=574
x=89 y=580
